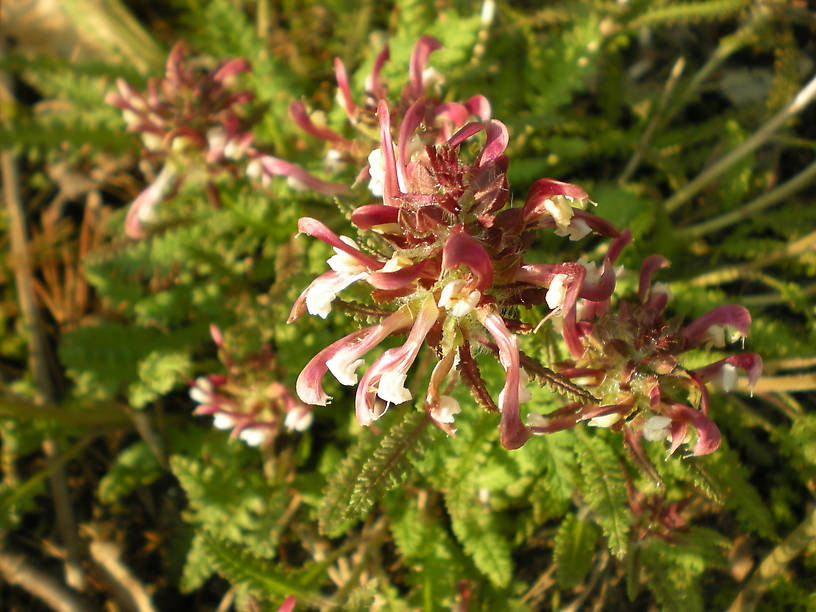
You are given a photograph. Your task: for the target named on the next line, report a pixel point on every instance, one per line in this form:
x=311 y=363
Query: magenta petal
x=398 y=278
x=297 y=110
x=678 y=430
x=545 y=188
x=462 y=248
x=373 y=81
x=343 y=84
x=230 y=68
x=731 y=315
x=410 y=122
x=142 y=207
x=419 y=58
x=592 y=411
x=598 y=224
x=313 y=227
x=394 y=360
x=512 y=432
x=750 y=363
x=543 y=275
x=172 y=70
x=390 y=183
x=288 y=604
x=454 y=112
x=464 y=133
x=479 y=106
x=309 y=384
x=372 y=215
x=603 y=289
x=650 y=265
x=497 y=139
x=278 y=167
x=708 y=436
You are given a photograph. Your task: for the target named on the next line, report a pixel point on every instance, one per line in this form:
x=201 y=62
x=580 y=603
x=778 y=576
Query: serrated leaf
x=373 y=467
x=473 y=526
x=604 y=489
x=268 y=579
x=159 y=372
x=332 y=510
x=134 y=467
x=726 y=471
x=573 y=551
x=197 y=566
x=389 y=464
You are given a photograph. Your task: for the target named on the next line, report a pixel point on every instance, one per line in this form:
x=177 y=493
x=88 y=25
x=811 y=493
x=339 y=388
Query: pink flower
x=246 y=402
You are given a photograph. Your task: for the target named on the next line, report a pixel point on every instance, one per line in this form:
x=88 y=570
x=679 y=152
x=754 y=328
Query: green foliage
x=135 y=467
x=372 y=468
x=631 y=100
x=604 y=489
x=573 y=550
x=258 y=575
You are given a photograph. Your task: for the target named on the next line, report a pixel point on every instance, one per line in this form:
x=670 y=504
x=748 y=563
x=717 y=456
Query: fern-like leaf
x=573 y=551
x=373 y=466
x=389 y=465
x=604 y=489
x=263 y=577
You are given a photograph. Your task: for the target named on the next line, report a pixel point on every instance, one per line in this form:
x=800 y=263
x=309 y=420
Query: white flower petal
x=254 y=436
x=222 y=420
x=607 y=420
x=446 y=410
x=298 y=419
x=344 y=370
x=656 y=428
x=392 y=388
x=557 y=291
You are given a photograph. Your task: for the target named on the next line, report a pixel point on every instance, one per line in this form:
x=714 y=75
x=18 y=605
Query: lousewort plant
x=451 y=271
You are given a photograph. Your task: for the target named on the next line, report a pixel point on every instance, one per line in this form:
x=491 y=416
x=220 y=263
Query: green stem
x=54 y=466
x=768 y=299
x=668 y=89
x=732 y=273
x=758 y=138
x=107 y=416
x=800 y=181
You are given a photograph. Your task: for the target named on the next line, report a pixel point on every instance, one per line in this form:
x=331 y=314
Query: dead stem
x=38 y=354
x=792 y=383
x=125 y=588
x=775 y=563
x=732 y=273
x=19 y=572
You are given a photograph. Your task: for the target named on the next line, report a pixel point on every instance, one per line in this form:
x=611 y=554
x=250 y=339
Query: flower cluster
x=246 y=402
x=632 y=363
x=196 y=112
x=452 y=261
x=444 y=263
